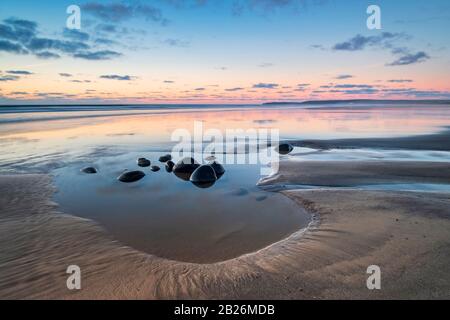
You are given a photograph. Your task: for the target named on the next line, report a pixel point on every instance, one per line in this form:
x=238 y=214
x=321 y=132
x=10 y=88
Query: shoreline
x=395 y=230
x=439 y=141
x=355 y=173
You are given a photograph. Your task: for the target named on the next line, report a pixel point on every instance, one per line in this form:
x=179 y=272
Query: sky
x=222 y=51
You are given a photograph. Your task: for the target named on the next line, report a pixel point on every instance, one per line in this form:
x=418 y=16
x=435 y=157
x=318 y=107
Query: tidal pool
x=172 y=218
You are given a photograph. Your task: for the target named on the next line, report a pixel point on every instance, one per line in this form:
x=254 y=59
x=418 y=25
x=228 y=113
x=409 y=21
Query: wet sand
x=407 y=234
x=436 y=141
x=354 y=173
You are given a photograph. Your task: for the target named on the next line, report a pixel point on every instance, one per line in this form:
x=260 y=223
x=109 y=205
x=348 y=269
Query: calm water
x=172 y=218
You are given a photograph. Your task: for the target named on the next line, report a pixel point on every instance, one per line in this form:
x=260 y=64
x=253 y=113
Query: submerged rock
x=239 y=192
x=218 y=168
x=143 y=162
x=261 y=198
x=204 y=176
x=284 y=148
x=131 y=176
x=169 y=166
x=165 y=158
x=89 y=170
x=155 y=168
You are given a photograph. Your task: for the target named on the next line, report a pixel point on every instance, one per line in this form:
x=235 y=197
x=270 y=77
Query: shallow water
x=171 y=218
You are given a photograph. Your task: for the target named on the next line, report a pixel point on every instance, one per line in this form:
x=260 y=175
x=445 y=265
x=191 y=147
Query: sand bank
x=353 y=173
x=438 y=141
x=406 y=234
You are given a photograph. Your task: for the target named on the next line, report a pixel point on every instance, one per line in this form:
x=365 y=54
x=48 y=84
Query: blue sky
x=224 y=51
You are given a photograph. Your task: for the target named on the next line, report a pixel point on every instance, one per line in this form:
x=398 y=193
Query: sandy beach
x=224 y=150
x=436 y=141
x=405 y=233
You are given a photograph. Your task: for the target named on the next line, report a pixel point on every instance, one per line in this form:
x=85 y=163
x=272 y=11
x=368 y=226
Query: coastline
x=436 y=141
x=355 y=173
x=406 y=233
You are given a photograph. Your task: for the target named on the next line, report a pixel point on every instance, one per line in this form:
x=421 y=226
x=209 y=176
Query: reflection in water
x=163 y=213
x=170 y=217
x=204 y=185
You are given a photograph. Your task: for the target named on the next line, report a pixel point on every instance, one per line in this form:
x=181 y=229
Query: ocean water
x=172 y=218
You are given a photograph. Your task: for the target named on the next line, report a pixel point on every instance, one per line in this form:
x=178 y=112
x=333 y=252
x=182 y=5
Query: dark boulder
x=89 y=170
x=261 y=198
x=142 y=162
x=155 y=168
x=204 y=176
x=284 y=148
x=186 y=165
x=240 y=192
x=131 y=176
x=169 y=166
x=165 y=158
x=218 y=168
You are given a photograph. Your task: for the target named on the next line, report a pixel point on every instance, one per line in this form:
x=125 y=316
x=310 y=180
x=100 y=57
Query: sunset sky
x=211 y=51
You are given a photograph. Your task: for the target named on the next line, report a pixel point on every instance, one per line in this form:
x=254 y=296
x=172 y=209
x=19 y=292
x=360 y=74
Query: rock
x=142 y=162
x=218 y=168
x=284 y=148
x=169 y=166
x=131 y=176
x=183 y=175
x=240 y=192
x=165 y=158
x=155 y=168
x=261 y=198
x=186 y=165
x=89 y=170
x=204 y=176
